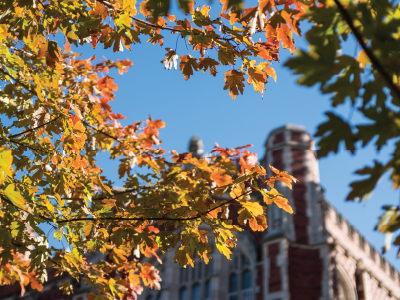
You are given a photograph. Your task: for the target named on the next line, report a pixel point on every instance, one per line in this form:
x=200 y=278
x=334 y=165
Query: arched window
x=207 y=290
x=247 y=285
x=345 y=289
x=184 y=275
x=233 y=287
x=183 y=294
x=196 y=292
x=246 y=280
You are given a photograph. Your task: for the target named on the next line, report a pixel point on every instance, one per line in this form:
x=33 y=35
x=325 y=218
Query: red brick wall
x=279 y=138
x=305 y=273
x=300 y=219
x=277 y=159
x=275 y=278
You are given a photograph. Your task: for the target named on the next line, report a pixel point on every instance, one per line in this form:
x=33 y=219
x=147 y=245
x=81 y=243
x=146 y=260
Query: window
x=159 y=296
x=372 y=252
x=149 y=297
x=339 y=218
x=351 y=230
x=207 y=290
x=383 y=262
x=196 y=292
x=233 y=287
x=183 y=294
x=362 y=242
x=209 y=268
x=392 y=271
x=184 y=275
x=241 y=278
x=246 y=280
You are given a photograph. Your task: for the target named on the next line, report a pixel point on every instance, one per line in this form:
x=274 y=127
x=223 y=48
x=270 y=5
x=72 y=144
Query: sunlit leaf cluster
x=56 y=116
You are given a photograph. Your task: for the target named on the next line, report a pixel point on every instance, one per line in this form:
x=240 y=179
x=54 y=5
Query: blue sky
x=200 y=106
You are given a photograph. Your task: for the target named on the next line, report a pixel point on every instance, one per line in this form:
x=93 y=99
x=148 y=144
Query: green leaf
x=332 y=133
x=361 y=190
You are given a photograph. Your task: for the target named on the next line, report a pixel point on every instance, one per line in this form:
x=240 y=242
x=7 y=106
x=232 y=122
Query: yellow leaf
x=254 y=208
x=283 y=203
x=238 y=191
x=88 y=229
x=224 y=250
x=363 y=58
x=5 y=163
x=15 y=196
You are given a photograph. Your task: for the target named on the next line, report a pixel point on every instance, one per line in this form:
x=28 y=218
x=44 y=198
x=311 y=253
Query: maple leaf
x=15 y=196
x=220 y=178
x=186 y=6
x=5 y=163
x=258 y=223
x=206 y=62
x=171 y=58
x=52 y=54
x=187 y=64
x=281 y=176
x=281 y=202
x=238 y=191
x=234 y=82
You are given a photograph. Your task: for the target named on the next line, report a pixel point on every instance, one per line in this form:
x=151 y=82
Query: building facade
x=314 y=254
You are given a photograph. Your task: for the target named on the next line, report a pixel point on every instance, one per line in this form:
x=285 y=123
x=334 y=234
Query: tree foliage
x=368 y=81
x=57 y=116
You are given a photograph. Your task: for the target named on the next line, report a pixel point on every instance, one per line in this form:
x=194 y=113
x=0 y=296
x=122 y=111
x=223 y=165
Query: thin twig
x=18 y=81
x=32 y=129
x=374 y=61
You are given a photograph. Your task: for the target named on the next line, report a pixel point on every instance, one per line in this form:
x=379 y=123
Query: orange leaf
x=187 y=64
x=234 y=82
x=258 y=223
x=220 y=178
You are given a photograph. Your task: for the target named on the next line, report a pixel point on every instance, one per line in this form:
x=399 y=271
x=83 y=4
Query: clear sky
x=200 y=106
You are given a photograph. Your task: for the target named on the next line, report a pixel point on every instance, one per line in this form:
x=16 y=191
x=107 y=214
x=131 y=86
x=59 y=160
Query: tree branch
x=377 y=65
x=29 y=147
x=199 y=215
x=18 y=81
x=32 y=129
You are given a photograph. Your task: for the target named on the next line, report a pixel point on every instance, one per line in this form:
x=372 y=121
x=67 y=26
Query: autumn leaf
x=234 y=82
x=253 y=207
x=238 y=191
x=206 y=63
x=5 y=164
x=281 y=202
x=52 y=54
x=258 y=223
x=15 y=196
x=187 y=64
x=171 y=58
x=220 y=177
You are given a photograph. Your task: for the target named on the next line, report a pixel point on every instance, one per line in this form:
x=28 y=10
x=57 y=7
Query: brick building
x=314 y=254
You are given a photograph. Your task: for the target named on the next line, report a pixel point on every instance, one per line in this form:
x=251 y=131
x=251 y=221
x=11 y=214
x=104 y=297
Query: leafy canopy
x=57 y=115
x=367 y=81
